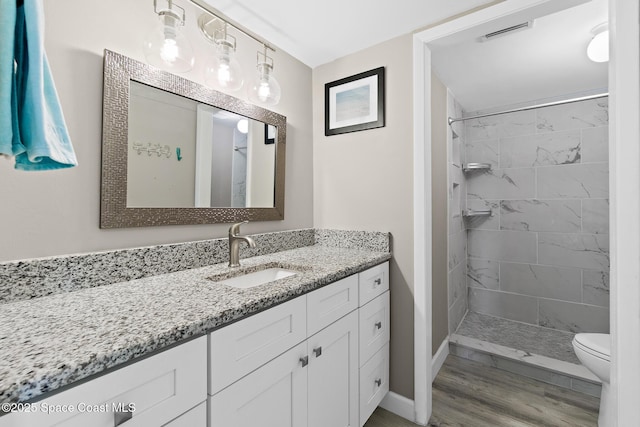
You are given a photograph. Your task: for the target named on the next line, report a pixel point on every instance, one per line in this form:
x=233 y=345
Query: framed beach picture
x=354 y=103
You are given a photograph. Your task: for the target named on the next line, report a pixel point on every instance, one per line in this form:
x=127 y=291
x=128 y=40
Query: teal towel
x=42 y=127
x=9 y=132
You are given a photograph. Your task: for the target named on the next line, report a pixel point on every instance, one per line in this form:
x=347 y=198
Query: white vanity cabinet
x=374 y=337
x=319 y=360
x=312 y=383
x=156 y=391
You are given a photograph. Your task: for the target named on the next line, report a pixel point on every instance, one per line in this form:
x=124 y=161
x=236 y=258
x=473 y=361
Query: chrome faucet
x=234 y=243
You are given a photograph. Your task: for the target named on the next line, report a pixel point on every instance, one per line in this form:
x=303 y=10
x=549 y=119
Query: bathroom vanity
x=182 y=349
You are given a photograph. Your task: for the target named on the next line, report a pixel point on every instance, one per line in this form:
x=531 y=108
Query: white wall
x=363 y=180
x=52 y=213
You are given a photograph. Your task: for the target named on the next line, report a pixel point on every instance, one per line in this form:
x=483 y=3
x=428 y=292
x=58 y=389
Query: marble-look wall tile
x=595 y=288
x=542 y=281
x=456 y=223
x=589 y=251
x=483 y=273
x=513 y=246
x=584 y=181
x=502 y=126
x=578 y=115
x=500 y=304
x=595 y=144
x=457 y=283
x=554 y=148
x=457 y=249
x=483 y=222
x=456 y=148
x=502 y=184
x=456 y=313
x=540 y=215
x=572 y=317
x=484 y=151
x=595 y=216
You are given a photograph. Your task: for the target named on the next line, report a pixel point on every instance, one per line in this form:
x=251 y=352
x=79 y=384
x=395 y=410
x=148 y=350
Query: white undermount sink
x=257 y=278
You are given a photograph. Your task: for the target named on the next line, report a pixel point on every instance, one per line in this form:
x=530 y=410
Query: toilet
x=594 y=351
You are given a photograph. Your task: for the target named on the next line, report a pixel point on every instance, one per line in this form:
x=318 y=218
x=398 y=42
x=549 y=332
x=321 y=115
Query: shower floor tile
x=528 y=338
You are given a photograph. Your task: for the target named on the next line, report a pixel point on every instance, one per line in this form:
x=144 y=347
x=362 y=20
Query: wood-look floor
x=469 y=394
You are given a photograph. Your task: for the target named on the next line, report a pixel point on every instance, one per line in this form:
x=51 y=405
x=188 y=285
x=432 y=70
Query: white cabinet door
x=333 y=374
x=153 y=391
x=273 y=396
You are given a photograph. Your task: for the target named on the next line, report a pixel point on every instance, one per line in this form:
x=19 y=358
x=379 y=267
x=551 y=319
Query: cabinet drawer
x=373 y=282
x=330 y=303
x=156 y=390
x=242 y=347
x=374 y=383
x=196 y=417
x=374 y=326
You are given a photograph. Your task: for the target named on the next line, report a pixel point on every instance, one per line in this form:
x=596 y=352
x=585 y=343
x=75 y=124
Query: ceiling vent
x=506 y=31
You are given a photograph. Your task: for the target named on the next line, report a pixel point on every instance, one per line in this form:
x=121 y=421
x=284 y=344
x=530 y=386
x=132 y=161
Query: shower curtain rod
x=451 y=120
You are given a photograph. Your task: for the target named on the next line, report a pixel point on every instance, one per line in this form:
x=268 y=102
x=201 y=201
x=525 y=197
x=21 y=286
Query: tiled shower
x=542 y=256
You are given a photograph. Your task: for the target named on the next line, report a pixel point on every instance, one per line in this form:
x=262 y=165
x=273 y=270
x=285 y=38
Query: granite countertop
x=53 y=341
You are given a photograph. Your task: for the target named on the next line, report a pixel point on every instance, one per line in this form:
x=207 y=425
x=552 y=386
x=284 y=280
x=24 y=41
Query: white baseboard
x=404 y=407
x=399 y=405
x=438 y=359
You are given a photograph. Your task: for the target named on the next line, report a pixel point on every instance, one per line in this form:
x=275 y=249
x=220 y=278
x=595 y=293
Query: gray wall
x=52 y=213
x=364 y=180
x=543 y=258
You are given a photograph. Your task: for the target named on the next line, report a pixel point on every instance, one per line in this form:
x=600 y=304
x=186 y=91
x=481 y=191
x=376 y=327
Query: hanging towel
x=42 y=129
x=9 y=130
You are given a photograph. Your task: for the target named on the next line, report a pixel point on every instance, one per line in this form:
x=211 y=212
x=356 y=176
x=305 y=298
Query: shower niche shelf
x=471 y=167
x=471 y=213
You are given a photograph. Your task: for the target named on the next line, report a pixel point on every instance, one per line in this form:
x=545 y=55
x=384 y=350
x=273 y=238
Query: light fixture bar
x=202 y=5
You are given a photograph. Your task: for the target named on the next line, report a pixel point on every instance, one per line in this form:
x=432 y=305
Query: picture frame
x=269 y=134
x=355 y=103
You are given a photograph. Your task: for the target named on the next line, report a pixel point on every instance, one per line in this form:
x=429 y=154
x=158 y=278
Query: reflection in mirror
x=183 y=153
x=177 y=152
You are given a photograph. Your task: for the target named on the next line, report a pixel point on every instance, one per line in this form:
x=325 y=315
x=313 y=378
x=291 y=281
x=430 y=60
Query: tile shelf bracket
x=470 y=213
x=470 y=167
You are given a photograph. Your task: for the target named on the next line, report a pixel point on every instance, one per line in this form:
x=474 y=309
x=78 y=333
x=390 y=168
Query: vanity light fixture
x=598 y=49
x=166 y=47
x=265 y=89
x=223 y=70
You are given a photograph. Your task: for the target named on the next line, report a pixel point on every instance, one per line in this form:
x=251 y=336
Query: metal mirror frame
x=119 y=70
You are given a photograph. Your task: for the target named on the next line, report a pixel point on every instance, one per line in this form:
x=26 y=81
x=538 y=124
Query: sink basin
x=257 y=278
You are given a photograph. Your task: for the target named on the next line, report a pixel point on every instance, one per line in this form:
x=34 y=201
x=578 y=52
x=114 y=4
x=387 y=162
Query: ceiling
x=317 y=32
x=545 y=62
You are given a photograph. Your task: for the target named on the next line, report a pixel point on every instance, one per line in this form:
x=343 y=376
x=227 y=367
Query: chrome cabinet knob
x=378 y=281
x=378 y=382
x=317 y=351
x=378 y=325
x=304 y=361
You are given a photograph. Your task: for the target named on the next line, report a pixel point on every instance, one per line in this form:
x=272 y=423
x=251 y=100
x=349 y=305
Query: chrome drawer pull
x=317 y=351
x=378 y=281
x=304 y=361
x=379 y=382
x=121 y=417
x=378 y=325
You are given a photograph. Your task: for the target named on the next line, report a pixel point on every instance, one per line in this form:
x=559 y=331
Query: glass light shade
x=243 y=126
x=166 y=47
x=223 y=70
x=598 y=49
x=265 y=89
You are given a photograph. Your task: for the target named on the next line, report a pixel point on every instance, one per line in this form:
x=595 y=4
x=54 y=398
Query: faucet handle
x=235 y=228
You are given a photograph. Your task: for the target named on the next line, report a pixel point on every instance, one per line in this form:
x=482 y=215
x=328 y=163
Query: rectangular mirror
x=176 y=152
